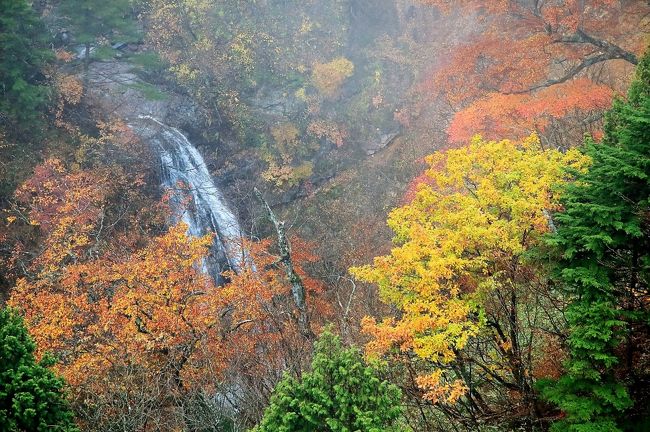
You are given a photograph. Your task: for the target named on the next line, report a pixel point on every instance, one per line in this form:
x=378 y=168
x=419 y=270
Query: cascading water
x=195 y=197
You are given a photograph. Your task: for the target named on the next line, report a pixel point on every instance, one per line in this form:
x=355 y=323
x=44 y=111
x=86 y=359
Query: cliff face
x=117 y=91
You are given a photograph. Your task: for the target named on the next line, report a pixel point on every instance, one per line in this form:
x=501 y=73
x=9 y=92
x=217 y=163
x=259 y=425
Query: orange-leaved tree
x=144 y=337
x=152 y=312
x=472 y=309
x=123 y=309
x=264 y=331
x=531 y=64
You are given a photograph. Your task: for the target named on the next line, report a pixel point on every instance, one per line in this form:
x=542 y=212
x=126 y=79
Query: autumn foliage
x=123 y=304
x=514 y=295
x=516 y=115
x=459 y=272
x=328 y=77
x=155 y=311
x=560 y=62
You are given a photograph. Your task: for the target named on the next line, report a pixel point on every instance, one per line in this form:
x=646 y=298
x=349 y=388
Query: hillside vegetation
x=439 y=215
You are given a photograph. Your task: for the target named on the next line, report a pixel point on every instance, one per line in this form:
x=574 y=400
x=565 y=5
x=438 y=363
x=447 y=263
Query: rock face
x=116 y=90
x=274 y=103
x=384 y=140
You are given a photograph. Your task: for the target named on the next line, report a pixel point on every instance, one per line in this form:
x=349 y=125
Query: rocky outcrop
x=116 y=90
x=383 y=141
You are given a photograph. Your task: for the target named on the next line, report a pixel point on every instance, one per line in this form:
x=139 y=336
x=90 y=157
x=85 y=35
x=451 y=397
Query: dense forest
x=325 y=215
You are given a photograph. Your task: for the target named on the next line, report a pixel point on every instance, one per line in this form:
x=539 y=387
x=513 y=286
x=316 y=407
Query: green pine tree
x=339 y=394
x=93 y=20
x=31 y=397
x=603 y=237
x=23 y=54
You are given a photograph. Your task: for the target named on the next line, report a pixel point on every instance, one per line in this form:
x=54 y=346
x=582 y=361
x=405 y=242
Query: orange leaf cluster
x=329 y=130
x=500 y=80
x=65 y=205
x=155 y=310
x=69 y=90
x=132 y=306
x=516 y=115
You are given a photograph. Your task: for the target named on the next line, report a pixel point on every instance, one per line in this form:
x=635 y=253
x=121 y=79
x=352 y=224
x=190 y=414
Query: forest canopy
x=334 y=215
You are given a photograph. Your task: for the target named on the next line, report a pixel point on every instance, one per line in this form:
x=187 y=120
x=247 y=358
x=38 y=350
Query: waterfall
x=195 y=198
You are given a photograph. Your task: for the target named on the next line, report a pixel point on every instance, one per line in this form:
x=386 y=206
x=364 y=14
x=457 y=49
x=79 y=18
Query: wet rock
x=274 y=102
x=385 y=139
x=115 y=88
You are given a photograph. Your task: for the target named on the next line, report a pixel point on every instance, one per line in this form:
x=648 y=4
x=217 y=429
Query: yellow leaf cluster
x=437 y=390
x=286 y=136
x=485 y=205
x=329 y=130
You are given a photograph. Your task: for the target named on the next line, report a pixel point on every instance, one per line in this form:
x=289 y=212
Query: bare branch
x=240 y=323
x=613 y=50
x=568 y=75
x=608 y=51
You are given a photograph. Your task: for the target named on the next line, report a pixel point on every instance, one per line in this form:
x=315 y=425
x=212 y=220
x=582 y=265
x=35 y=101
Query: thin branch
x=569 y=74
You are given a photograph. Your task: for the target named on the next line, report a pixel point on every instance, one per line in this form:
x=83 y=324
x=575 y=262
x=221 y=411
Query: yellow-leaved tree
x=471 y=308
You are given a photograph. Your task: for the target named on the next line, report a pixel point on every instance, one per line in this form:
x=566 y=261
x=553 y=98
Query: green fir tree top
x=339 y=394
x=91 y=20
x=31 y=395
x=23 y=55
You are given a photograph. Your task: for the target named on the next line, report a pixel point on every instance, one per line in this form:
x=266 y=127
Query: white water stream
x=195 y=198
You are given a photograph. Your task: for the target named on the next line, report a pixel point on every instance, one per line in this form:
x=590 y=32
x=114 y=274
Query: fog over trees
x=325 y=215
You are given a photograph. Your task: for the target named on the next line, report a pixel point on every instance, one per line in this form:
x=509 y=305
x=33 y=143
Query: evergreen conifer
x=23 y=54
x=31 y=397
x=339 y=394
x=603 y=236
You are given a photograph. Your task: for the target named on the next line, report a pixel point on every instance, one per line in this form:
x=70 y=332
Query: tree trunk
x=297 y=287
